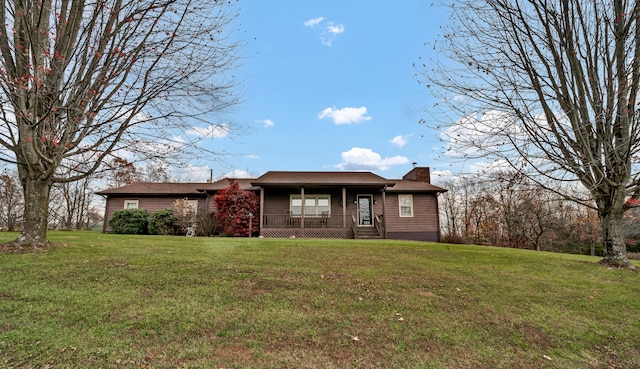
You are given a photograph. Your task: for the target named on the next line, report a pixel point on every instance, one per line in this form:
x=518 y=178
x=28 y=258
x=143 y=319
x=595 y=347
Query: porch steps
x=367 y=233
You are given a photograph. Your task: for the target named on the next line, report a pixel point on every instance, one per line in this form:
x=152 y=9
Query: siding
x=424 y=225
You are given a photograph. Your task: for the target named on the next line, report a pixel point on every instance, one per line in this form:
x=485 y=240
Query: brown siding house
x=311 y=204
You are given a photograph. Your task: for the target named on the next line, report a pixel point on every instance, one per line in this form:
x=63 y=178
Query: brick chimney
x=418 y=174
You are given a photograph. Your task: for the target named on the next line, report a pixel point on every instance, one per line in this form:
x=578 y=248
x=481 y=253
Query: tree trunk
x=36 y=211
x=613 y=241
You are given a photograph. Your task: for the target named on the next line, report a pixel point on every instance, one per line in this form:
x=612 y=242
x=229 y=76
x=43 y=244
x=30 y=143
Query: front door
x=365 y=210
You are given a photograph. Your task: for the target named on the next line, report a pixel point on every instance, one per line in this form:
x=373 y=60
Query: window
x=405 y=203
x=130 y=204
x=313 y=205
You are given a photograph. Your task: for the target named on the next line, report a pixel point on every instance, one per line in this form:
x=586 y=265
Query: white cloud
x=345 y=115
x=400 y=140
x=359 y=158
x=178 y=139
x=237 y=173
x=329 y=29
x=335 y=29
x=266 y=123
x=484 y=167
x=475 y=134
x=313 y=22
x=330 y=33
x=439 y=176
x=212 y=131
x=192 y=173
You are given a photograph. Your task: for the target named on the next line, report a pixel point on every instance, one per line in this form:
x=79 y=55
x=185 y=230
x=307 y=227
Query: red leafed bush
x=236 y=209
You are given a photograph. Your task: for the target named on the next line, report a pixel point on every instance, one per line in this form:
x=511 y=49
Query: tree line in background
x=508 y=209
x=72 y=205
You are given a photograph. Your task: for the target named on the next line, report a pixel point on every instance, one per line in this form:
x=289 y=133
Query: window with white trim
x=405 y=204
x=131 y=204
x=313 y=205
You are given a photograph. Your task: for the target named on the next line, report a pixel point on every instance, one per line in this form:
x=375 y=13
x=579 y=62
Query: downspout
x=206 y=202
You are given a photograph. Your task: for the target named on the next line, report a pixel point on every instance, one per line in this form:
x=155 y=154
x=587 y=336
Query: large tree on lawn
x=550 y=87
x=83 y=81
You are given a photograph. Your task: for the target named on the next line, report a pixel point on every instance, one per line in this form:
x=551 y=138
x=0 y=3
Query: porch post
x=344 y=207
x=261 y=209
x=384 y=211
x=302 y=210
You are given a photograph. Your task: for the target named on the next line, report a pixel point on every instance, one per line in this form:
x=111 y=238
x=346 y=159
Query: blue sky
x=330 y=85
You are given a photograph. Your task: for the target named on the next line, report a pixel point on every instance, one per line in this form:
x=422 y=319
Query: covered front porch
x=334 y=225
x=321 y=208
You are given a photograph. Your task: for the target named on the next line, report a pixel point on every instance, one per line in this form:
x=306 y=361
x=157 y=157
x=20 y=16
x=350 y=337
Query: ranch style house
x=309 y=204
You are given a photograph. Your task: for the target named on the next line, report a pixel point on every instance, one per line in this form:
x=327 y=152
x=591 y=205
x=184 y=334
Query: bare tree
x=550 y=87
x=83 y=81
x=73 y=204
x=11 y=204
x=508 y=209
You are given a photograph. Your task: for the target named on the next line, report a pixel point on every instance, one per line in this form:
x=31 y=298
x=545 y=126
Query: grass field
x=118 y=301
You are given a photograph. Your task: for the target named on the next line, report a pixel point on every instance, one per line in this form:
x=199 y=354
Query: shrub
x=162 y=222
x=129 y=221
x=453 y=238
x=236 y=207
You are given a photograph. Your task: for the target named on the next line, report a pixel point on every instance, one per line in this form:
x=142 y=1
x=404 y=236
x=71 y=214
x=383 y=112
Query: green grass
x=118 y=301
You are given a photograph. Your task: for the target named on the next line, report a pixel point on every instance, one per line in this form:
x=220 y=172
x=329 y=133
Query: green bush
x=162 y=222
x=130 y=221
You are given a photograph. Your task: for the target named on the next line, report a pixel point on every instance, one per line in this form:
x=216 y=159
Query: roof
x=245 y=184
x=176 y=188
x=158 y=189
x=286 y=178
x=403 y=185
x=278 y=178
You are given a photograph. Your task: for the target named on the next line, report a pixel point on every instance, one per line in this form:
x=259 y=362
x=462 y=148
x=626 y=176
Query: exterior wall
x=150 y=204
x=423 y=226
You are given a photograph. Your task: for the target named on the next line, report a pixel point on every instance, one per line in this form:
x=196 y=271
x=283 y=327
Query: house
x=311 y=204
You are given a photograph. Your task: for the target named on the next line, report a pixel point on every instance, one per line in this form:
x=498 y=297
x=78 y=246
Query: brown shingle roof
x=245 y=184
x=158 y=189
x=286 y=178
x=414 y=186
x=277 y=178
x=175 y=188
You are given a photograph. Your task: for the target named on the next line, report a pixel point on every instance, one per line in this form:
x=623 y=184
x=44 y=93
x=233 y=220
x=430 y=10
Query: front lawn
x=120 y=301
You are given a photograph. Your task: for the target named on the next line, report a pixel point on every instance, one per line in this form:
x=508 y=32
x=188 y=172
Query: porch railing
x=379 y=224
x=332 y=220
